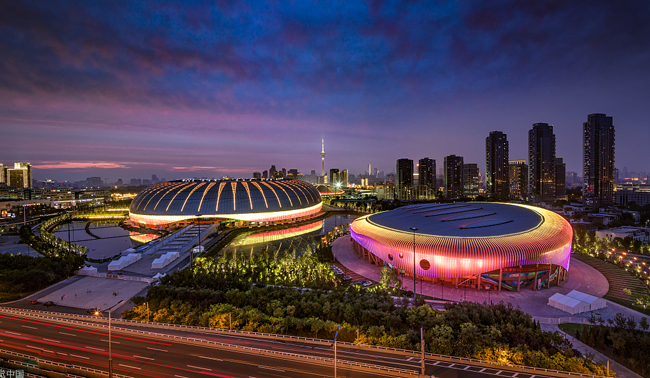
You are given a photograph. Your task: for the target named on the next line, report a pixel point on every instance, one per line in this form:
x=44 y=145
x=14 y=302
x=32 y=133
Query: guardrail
x=57 y=364
x=342 y=344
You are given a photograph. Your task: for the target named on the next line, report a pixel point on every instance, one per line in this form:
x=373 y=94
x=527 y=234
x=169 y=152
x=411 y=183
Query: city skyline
x=205 y=91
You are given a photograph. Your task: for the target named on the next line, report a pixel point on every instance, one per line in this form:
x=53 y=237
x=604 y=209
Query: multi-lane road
x=141 y=356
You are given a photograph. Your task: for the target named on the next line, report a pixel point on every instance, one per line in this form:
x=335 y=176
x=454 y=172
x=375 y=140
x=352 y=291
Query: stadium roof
x=462 y=219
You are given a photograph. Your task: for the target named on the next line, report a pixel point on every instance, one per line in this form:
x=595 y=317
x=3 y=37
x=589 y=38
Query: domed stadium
x=475 y=244
x=242 y=200
x=329 y=190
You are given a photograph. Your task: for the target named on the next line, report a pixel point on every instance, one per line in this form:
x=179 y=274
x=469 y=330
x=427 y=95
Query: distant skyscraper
x=322 y=154
x=257 y=175
x=404 y=178
x=265 y=174
x=369 y=170
x=334 y=176
x=343 y=177
x=3 y=174
x=293 y=173
x=598 y=161
x=541 y=163
x=272 y=172
x=454 y=176
x=427 y=172
x=560 y=178
x=470 y=180
x=284 y=172
x=518 y=179
x=20 y=176
x=497 y=170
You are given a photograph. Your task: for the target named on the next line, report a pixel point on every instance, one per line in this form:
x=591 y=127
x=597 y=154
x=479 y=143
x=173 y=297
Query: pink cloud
x=79 y=165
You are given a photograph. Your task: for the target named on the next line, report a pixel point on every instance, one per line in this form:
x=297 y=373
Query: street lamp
x=414 y=229
x=198 y=222
x=110 y=343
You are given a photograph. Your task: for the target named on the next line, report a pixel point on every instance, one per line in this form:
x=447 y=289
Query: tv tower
x=322 y=154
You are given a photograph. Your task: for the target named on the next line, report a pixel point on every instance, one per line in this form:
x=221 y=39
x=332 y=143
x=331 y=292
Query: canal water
x=113 y=238
x=279 y=242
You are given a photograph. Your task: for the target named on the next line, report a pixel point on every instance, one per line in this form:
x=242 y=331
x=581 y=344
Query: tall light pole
x=198 y=222
x=414 y=229
x=110 y=343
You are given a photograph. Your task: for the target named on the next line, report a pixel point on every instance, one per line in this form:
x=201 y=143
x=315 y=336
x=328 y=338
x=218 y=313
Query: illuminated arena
x=254 y=201
x=475 y=244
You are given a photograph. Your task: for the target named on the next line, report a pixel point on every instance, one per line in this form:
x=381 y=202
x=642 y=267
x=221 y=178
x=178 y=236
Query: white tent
x=595 y=303
x=567 y=304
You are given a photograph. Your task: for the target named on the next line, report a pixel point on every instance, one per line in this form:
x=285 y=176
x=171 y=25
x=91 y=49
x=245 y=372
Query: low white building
x=576 y=302
x=636 y=233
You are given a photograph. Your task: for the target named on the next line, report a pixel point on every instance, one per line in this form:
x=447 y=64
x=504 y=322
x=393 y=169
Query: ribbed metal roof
x=224 y=197
x=462 y=219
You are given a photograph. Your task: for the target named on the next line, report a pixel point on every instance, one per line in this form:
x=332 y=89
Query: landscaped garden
x=300 y=295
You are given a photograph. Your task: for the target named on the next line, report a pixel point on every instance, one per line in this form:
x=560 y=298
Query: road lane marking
x=54 y=341
x=208 y=358
x=102 y=350
x=146 y=358
x=61 y=353
x=159 y=350
x=198 y=367
x=114 y=342
x=180 y=376
x=29 y=327
x=33 y=347
x=69 y=334
x=13 y=333
x=515 y=375
x=466 y=367
x=410 y=358
x=482 y=370
x=270 y=368
x=74 y=355
x=131 y=367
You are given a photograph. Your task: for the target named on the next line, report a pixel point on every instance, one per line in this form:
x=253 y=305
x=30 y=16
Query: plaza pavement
x=94 y=292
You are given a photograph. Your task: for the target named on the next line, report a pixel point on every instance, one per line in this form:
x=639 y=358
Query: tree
x=644 y=324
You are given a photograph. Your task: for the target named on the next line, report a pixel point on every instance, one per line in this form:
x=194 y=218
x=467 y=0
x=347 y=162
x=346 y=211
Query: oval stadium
x=258 y=201
x=474 y=244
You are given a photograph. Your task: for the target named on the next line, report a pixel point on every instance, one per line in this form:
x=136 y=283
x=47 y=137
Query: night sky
x=123 y=89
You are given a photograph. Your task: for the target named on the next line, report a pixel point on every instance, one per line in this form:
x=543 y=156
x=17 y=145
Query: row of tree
x=621 y=339
x=497 y=332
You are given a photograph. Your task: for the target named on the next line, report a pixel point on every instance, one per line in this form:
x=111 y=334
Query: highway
x=138 y=356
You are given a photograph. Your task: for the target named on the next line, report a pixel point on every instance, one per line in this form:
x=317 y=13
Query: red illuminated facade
x=488 y=247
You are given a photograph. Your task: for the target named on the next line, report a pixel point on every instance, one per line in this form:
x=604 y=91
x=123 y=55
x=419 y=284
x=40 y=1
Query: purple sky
x=216 y=87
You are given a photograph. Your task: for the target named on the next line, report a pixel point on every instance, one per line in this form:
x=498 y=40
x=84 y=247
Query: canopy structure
x=576 y=302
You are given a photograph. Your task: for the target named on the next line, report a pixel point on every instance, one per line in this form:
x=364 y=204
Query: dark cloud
x=366 y=66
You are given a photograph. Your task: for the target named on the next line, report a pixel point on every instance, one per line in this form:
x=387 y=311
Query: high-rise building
x=272 y=172
x=404 y=178
x=470 y=180
x=343 y=177
x=560 y=178
x=257 y=175
x=284 y=172
x=454 y=185
x=322 y=154
x=94 y=182
x=598 y=161
x=427 y=172
x=20 y=176
x=497 y=170
x=293 y=173
x=541 y=163
x=334 y=176
x=3 y=174
x=265 y=175
x=369 y=170
x=518 y=179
